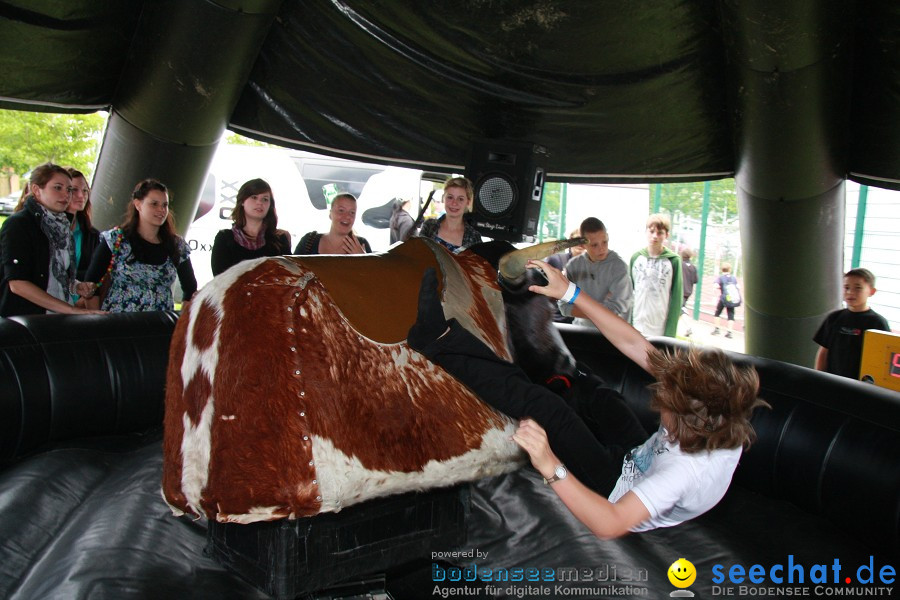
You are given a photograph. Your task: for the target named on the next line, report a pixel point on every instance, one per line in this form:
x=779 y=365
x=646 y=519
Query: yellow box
x=880 y=362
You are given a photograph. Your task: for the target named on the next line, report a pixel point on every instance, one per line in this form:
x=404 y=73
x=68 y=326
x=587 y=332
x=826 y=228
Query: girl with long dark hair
x=84 y=235
x=143 y=256
x=255 y=232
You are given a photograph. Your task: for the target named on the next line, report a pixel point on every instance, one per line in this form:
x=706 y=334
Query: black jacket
x=309 y=244
x=402 y=226
x=25 y=255
x=90 y=239
x=226 y=252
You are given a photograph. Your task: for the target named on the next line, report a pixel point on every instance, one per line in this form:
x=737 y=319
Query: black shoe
x=728 y=335
x=430 y=321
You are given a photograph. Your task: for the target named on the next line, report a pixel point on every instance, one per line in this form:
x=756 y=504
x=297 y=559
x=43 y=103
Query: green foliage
x=687 y=199
x=28 y=139
x=237 y=139
x=550 y=212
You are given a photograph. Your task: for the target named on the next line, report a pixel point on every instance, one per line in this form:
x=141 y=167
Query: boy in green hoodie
x=656 y=276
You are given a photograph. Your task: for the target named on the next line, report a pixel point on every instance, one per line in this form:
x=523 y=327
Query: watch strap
x=555 y=477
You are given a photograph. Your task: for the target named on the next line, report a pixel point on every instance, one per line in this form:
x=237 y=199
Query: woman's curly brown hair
x=709 y=397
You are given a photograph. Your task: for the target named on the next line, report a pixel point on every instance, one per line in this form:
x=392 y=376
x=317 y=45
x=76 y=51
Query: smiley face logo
x=682 y=573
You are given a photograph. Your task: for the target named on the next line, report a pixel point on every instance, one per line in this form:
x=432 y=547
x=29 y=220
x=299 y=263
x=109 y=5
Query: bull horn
x=512 y=264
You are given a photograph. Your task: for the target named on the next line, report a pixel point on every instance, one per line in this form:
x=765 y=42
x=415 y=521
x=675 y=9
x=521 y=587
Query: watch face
x=560 y=472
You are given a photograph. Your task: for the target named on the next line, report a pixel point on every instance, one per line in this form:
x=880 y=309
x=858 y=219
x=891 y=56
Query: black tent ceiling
x=422 y=80
x=789 y=97
x=638 y=90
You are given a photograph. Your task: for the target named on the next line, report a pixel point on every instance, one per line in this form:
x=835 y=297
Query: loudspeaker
x=509 y=186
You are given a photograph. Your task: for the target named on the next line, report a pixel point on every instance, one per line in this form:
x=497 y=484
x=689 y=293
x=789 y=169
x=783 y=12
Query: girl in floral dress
x=143 y=256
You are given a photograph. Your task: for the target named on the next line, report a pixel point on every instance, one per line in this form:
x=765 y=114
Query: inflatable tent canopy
x=790 y=98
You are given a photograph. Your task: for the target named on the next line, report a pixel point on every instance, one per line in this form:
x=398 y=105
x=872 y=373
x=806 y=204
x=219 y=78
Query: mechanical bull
x=291 y=390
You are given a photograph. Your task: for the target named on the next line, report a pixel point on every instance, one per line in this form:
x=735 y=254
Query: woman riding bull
x=594 y=452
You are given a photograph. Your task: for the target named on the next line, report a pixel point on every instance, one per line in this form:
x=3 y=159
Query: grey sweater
x=605 y=281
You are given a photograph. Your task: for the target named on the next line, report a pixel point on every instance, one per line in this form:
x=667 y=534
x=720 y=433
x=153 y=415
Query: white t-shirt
x=653 y=278
x=674 y=486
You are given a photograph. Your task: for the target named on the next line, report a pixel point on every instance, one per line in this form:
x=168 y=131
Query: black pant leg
x=606 y=413
x=505 y=386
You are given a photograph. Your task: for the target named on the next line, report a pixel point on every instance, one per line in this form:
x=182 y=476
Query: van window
x=379 y=217
x=318 y=177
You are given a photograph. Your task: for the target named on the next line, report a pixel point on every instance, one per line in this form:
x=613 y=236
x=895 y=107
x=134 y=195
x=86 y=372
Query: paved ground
x=701 y=333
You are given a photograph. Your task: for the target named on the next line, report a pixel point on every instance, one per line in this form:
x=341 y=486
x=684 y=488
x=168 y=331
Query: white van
x=302 y=183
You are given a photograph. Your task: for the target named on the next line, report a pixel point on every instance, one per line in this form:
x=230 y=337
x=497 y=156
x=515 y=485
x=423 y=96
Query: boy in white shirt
x=656 y=275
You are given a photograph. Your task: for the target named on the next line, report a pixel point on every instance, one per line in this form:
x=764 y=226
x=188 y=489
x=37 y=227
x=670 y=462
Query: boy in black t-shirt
x=841 y=334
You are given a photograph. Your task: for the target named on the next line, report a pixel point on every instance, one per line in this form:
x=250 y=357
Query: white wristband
x=571 y=293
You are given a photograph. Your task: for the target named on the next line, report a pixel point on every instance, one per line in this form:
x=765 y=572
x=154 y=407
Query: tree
x=236 y=139
x=28 y=139
x=550 y=207
x=687 y=198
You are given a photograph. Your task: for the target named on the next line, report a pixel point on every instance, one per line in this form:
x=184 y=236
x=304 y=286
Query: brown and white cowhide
x=291 y=389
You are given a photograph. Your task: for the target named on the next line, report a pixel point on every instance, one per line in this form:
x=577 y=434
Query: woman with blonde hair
x=450 y=229
x=143 y=256
x=255 y=232
x=340 y=238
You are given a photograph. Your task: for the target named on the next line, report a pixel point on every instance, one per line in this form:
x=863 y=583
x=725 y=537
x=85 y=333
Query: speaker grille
x=495 y=194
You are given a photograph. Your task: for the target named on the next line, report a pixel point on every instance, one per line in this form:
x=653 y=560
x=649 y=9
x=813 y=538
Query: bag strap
x=120 y=234
x=421 y=216
x=313 y=238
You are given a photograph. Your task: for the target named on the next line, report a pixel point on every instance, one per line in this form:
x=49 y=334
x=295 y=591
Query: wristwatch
x=560 y=472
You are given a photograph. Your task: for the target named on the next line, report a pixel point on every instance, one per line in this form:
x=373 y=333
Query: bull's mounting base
x=289 y=559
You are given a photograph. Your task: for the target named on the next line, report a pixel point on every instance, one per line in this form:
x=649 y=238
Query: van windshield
x=323 y=180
